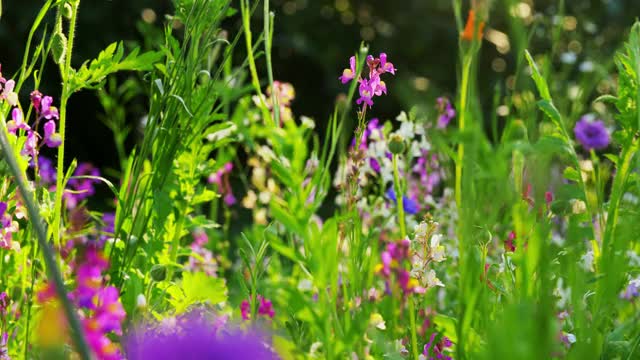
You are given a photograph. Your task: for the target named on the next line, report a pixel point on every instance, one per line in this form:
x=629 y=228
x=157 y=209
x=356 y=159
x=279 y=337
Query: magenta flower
x=17 y=121
x=36 y=99
x=46 y=110
x=349 y=74
x=51 y=138
x=245 y=310
x=373 y=85
x=31 y=146
x=592 y=134
x=386 y=66
x=266 y=307
x=436 y=351
x=445 y=111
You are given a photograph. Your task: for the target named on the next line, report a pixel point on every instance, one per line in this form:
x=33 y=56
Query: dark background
x=313 y=41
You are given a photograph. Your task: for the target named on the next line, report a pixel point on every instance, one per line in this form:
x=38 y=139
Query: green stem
x=54 y=273
x=63 y=120
x=464 y=90
x=400 y=203
x=255 y=80
x=403 y=234
x=268 y=39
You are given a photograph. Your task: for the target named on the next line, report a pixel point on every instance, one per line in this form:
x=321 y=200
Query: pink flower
x=17 y=121
x=51 y=138
x=245 y=310
x=349 y=74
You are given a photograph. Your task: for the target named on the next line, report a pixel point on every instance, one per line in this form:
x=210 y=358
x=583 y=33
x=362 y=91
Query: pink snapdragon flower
x=373 y=85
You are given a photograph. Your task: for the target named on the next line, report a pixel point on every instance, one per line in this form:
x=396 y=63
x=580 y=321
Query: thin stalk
x=63 y=120
x=255 y=80
x=403 y=234
x=399 y=200
x=54 y=273
x=464 y=90
x=268 y=42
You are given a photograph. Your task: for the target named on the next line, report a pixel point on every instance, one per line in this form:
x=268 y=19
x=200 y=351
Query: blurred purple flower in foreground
x=196 y=339
x=592 y=134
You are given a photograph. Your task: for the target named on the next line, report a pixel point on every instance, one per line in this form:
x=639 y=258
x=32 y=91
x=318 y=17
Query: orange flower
x=467 y=34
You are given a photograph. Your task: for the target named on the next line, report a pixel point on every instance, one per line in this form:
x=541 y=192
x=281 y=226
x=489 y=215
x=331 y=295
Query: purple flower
x=592 y=134
x=349 y=74
x=245 y=310
x=445 y=111
x=386 y=66
x=436 y=351
x=196 y=340
x=47 y=170
x=632 y=290
x=373 y=85
x=47 y=111
x=17 y=121
x=51 y=138
x=409 y=205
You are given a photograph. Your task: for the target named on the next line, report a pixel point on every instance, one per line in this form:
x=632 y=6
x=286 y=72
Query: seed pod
x=396 y=144
x=59 y=47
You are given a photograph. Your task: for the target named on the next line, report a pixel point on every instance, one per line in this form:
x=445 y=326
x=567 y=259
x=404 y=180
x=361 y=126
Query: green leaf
x=571 y=174
x=552 y=113
x=541 y=83
x=197 y=288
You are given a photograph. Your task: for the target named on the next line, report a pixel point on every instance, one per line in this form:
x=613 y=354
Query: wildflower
x=221 y=179
x=373 y=85
x=438 y=349
x=510 y=245
x=410 y=205
x=376 y=320
x=445 y=112
x=51 y=138
x=568 y=339
x=195 y=339
x=245 y=310
x=46 y=110
x=470 y=27
x=437 y=250
x=7 y=228
x=265 y=308
x=47 y=170
x=632 y=290
x=8 y=94
x=17 y=121
x=349 y=74
x=201 y=258
x=592 y=134
x=432 y=279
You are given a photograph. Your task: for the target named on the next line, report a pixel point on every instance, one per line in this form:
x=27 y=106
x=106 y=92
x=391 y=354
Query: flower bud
x=67 y=11
x=158 y=273
x=396 y=144
x=59 y=47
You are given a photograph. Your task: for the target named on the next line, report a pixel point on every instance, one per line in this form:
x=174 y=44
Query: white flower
x=420 y=231
x=568 y=57
x=305 y=285
x=587 y=261
x=141 y=301
x=432 y=279
x=406 y=130
x=437 y=250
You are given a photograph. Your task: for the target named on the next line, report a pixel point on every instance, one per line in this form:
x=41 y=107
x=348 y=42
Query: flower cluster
x=102 y=313
x=265 y=308
x=263 y=188
x=201 y=258
x=221 y=179
x=392 y=268
x=8 y=227
x=45 y=112
x=427 y=251
x=284 y=93
x=435 y=351
x=372 y=165
x=373 y=85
